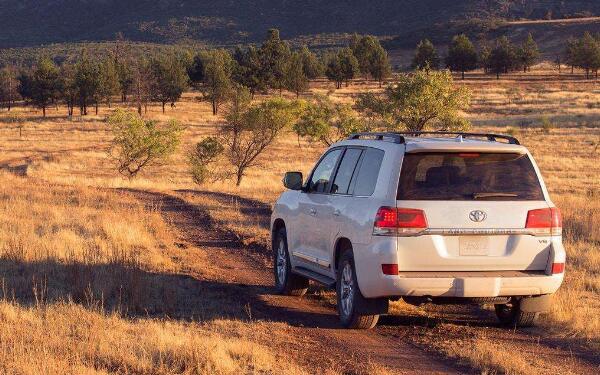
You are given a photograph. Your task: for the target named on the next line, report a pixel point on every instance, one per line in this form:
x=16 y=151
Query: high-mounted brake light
x=545 y=222
x=391 y=221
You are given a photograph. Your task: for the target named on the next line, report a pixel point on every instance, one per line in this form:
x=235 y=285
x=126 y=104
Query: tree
x=8 y=87
x=342 y=67
x=587 y=54
x=217 y=77
x=275 y=55
x=196 y=71
x=246 y=137
x=125 y=74
x=570 y=54
x=296 y=79
x=42 y=86
x=462 y=56
x=380 y=65
x=419 y=101
x=109 y=81
x=169 y=81
x=69 y=88
x=425 y=56
x=327 y=122
x=502 y=57
x=140 y=143
x=141 y=83
x=247 y=70
x=528 y=53
x=88 y=80
x=248 y=131
x=313 y=68
x=371 y=56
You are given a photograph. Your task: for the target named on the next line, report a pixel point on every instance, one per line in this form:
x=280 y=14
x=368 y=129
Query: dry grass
x=88 y=286
x=70 y=248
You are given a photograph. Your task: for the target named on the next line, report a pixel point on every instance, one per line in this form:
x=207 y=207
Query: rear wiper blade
x=493 y=195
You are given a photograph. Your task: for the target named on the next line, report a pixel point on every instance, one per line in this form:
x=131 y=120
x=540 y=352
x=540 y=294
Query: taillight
x=545 y=222
x=558 y=268
x=391 y=221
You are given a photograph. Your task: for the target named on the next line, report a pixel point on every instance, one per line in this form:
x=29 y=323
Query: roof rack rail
x=490 y=137
x=395 y=137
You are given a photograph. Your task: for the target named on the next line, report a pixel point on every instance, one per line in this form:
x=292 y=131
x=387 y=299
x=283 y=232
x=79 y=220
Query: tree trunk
x=163 y=107
x=96 y=109
x=497 y=75
x=44 y=111
x=140 y=109
x=240 y=175
x=463 y=75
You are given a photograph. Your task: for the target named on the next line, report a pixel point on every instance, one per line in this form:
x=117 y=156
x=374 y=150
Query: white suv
x=426 y=217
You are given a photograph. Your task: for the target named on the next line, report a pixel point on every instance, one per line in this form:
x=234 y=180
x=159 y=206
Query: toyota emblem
x=477 y=216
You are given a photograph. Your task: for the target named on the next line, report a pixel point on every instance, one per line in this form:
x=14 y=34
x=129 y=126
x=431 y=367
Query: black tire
x=351 y=312
x=511 y=315
x=286 y=282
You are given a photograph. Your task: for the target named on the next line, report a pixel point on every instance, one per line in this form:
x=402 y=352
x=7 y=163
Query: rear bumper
x=373 y=283
x=467 y=286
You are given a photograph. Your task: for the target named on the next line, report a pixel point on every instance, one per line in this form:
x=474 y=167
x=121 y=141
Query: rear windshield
x=468 y=176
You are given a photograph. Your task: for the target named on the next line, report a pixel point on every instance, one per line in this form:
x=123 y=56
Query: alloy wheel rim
x=281 y=262
x=347 y=290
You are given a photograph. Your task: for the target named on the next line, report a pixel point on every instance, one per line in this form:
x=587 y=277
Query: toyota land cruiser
x=426 y=217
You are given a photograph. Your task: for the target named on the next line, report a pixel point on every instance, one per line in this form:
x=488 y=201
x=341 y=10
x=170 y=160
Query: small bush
x=204 y=153
x=547 y=125
x=140 y=143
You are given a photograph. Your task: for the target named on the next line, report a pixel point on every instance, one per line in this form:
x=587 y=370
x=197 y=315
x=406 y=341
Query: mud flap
x=536 y=304
x=373 y=306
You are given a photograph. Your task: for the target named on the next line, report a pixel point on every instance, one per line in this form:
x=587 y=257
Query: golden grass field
x=90 y=277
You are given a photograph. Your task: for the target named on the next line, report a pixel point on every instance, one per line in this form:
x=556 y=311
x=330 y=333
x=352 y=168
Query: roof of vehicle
x=438 y=142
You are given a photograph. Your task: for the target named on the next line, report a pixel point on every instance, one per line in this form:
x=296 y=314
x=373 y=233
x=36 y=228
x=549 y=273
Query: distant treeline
x=91 y=80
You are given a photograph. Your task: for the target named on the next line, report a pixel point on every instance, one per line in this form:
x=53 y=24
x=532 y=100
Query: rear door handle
x=336 y=213
x=313 y=212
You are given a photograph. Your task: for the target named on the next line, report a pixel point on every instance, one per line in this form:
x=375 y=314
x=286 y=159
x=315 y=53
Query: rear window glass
x=468 y=176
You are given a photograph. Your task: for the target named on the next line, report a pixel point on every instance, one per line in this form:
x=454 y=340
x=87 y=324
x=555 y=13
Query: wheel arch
x=341 y=244
x=277 y=225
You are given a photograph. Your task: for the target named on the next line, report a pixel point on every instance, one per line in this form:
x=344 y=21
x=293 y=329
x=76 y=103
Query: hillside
x=36 y=22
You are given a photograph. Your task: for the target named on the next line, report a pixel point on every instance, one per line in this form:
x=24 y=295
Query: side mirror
x=293 y=180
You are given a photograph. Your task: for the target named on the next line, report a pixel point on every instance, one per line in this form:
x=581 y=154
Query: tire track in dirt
x=440 y=328
x=316 y=340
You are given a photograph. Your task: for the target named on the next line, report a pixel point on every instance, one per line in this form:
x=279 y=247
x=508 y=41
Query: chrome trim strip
x=476 y=231
x=311 y=259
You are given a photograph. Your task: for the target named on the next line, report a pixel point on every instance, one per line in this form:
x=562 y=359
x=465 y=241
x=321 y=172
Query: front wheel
x=511 y=315
x=286 y=282
x=350 y=301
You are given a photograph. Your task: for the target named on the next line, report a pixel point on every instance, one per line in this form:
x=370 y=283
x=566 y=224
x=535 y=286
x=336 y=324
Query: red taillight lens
x=558 y=268
x=545 y=221
x=389 y=269
x=399 y=221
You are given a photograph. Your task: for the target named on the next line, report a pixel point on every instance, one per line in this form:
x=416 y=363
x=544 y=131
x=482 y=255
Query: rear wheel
x=350 y=301
x=511 y=315
x=286 y=282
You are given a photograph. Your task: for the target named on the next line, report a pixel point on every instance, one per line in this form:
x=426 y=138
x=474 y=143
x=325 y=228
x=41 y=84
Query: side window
x=366 y=179
x=341 y=184
x=322 y=174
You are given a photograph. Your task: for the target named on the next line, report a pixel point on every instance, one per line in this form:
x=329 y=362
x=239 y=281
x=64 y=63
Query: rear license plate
x=474 y=245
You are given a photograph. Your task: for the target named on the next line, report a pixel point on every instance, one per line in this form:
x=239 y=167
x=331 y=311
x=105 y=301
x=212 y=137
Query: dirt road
x=421 y=342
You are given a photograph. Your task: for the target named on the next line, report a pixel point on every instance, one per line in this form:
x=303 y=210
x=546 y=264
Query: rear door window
x=366 y=179
x=341 y=184
x=468 y=176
